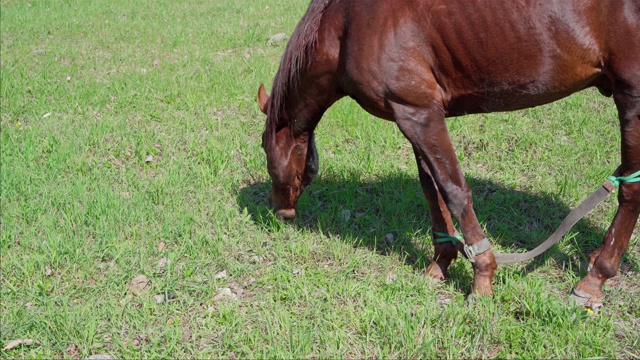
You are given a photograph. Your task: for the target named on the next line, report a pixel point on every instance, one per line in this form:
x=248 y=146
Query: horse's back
x=482 y=56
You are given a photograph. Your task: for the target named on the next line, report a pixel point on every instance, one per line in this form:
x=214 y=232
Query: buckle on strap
x=476 y=249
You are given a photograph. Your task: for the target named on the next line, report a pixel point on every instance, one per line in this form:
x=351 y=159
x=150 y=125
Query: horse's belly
x=514 y=97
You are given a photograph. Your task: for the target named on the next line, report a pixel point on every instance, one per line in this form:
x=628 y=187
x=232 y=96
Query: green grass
x=90 y=90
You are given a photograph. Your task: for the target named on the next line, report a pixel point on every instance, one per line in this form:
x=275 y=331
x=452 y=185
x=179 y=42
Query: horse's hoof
x=434 y=274
x=472 y=299
x=591 y=303
x=433 y=281
x=579 y=298
x=593 y=308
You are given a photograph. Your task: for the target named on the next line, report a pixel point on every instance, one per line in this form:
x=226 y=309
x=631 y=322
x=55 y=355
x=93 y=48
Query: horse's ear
x=262 y=98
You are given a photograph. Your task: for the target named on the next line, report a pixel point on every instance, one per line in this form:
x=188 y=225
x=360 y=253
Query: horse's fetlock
x=445 y=250
x=485 y=264
x=606 y=268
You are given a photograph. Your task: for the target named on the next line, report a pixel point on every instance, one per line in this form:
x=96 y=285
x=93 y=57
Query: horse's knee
x=458 y=199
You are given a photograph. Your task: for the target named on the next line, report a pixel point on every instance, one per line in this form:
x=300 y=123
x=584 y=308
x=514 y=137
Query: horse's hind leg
x=606 y=259
x=444 y=252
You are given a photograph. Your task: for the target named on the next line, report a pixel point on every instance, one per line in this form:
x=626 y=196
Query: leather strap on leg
x=470 y=250
x=476 y=249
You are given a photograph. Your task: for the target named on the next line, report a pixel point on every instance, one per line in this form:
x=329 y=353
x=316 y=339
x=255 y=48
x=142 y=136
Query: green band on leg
x=616 y=180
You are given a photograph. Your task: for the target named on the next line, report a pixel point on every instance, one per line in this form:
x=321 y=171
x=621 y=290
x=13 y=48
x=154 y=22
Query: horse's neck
x=316 y=85
x=313 y=96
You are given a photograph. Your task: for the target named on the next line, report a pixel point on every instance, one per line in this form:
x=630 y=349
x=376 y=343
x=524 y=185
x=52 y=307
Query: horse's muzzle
x=281 y=213
x=285 y=214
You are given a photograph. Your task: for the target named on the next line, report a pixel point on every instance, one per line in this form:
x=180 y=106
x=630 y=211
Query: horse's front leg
x=605 y=261
x=425 y=128
x=444 y=252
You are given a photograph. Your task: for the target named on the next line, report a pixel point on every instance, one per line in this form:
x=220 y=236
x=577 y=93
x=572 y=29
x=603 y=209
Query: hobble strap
x=616 y=180
x=470 y=250
x=446 y=238
x=476 y=249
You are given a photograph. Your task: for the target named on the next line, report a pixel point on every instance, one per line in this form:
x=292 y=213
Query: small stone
x=162 y=264
x=137 y=340
x=139 y=285
x=166 y=297
x=389 y=237
x=15 y=343
x=72 y=349
x=222 y=274
x=391 y=277
x=277 y=38
x=105 y=266
x=237 y=289
x=444 y=301
x=100 y=357
x=225 y=293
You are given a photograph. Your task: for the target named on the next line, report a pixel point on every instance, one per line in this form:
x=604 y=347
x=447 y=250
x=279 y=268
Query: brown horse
x=417 y=62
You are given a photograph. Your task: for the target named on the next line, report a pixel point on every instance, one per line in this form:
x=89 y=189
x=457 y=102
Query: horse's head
x=292 y=162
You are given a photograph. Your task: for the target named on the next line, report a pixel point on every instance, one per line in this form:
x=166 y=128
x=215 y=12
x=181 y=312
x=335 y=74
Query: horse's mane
x=296 y=58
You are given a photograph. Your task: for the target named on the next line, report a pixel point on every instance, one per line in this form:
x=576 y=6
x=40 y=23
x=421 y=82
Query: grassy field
x=130 y=145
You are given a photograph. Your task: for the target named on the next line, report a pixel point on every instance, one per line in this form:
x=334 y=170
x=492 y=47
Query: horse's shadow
x=390 y=216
